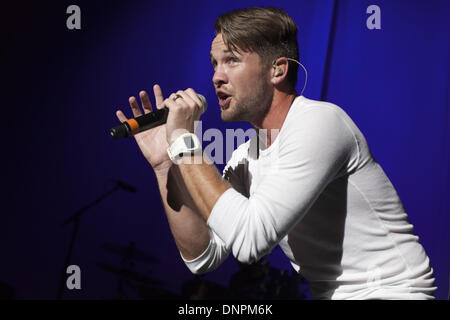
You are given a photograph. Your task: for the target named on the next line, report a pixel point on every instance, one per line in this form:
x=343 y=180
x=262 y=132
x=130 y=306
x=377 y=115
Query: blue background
x=61 y=89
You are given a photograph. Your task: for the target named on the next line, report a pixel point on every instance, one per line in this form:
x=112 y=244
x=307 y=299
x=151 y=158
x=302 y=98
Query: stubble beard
x=252 y=108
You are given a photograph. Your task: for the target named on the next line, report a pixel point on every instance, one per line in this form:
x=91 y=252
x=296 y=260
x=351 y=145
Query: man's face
x=242 y=84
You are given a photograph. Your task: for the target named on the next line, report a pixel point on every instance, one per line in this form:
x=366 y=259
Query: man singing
x=307 y=181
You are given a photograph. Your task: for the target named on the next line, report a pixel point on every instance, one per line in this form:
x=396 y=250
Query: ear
x=280 y=69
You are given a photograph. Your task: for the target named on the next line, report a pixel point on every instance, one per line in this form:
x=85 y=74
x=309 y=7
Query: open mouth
x=224 y=100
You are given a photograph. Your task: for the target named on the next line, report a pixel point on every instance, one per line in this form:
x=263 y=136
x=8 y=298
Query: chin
x=227 y=116
x=232 y=114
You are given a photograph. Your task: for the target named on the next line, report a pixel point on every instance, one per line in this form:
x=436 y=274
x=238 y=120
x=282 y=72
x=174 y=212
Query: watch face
x=189 y=142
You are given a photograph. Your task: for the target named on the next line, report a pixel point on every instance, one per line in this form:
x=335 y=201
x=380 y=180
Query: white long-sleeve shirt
x=318 y=193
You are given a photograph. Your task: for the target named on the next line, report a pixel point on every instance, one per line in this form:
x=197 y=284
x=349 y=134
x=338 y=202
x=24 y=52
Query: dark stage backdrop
x=61 y=88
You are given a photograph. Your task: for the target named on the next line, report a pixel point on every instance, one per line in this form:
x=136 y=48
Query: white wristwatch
x=187 y=143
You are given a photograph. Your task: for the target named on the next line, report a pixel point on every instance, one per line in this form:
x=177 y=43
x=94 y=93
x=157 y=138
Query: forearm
x=188 y=227
x=204 y=183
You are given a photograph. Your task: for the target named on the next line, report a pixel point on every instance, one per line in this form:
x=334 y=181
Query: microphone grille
x=204 y=102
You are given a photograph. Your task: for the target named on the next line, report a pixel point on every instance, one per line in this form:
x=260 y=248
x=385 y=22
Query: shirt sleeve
x=313 y=149
x=217 y=251
x=211 y=258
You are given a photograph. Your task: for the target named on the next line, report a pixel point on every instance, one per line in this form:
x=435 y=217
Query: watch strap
x=187 y=143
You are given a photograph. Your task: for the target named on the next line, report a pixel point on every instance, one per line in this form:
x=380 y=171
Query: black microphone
x=146 y=121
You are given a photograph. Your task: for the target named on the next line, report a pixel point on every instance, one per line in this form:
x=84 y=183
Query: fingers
x=194 y=96
x=145 y=101
x=121 y=116
x=146 y=104
x=188 y=99
x=135 y=107
x=185 y=98
x=158 y=96
x=170 y=102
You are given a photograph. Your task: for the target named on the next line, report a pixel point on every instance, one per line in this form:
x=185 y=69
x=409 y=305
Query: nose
x=219 y=77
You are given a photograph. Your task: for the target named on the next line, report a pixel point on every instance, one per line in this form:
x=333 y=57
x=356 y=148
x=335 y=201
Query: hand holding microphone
x=155 y=118
x=172 y=116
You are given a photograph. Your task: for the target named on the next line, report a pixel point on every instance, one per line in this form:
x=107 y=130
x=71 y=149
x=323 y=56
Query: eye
x=233 y=61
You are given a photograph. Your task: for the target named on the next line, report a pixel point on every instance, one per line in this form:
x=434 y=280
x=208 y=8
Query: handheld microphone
x=146 y=121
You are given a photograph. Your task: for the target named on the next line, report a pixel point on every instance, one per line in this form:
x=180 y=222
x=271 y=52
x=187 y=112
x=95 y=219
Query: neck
x=271 y=124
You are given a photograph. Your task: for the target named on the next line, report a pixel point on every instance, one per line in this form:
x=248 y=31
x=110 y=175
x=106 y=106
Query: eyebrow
x=224 y=51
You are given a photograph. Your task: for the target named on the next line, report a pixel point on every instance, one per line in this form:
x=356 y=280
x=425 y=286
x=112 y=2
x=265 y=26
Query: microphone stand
x=75 y=218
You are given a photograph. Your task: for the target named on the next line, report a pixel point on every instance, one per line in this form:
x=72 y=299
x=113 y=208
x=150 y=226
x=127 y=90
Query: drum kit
x=256 y=281
x=132 y=284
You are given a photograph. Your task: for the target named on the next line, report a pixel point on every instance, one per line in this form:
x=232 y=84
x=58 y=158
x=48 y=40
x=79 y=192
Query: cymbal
x=129 y=274
x=130 y=252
